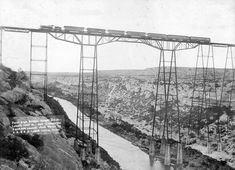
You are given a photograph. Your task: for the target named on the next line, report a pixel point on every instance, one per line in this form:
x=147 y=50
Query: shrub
x=192 y=135
x=233 y=140
x=12 y=79
x=214 y=145
x=21 y=76
x=35 y=140
x=12 y=148
x=192 y=165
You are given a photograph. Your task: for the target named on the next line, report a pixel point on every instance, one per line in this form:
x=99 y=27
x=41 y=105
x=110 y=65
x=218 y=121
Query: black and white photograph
x=117 y=85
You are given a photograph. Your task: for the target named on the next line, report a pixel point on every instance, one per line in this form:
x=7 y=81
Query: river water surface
x=129 y=157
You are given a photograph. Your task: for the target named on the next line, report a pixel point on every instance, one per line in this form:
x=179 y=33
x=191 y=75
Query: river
x=129 y=157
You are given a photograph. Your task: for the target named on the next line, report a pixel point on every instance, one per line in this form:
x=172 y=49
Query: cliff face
x=29 y=151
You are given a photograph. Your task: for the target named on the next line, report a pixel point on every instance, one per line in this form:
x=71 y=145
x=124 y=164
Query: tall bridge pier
x=167 y=76
x=204 y=95
x=227 y=95
x=38 y=61
x=87 y=106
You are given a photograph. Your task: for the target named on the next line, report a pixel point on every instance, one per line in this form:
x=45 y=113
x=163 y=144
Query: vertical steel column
x=194 y=85
x=232 y=91
x=177 y=94
x=45 y=68
x=92 y=91
x=83 y=99
x=78 y=118
x=225 y=69
x=152 y=141
x=209 y=92
x=82 y=96
x=31 y=56
x=233 y=78
x=209 y=103
x=97 y=99
x=156 y=98
x=1 y=46
x=197 y=103
x=179 y=160
x=165 y=126
x=169 y=78
x=201 y=92
x=167 y=93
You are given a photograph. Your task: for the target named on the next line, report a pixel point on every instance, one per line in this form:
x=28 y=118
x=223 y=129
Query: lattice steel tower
x=227 y=94
x=167 y=99
x=38 y=61
x=204 y=91
x=87 y=106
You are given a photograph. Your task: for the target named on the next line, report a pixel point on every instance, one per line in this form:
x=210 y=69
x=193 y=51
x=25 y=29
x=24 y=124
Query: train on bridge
x=125 y=34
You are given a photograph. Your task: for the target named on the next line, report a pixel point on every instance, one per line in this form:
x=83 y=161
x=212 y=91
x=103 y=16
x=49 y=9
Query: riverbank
x=193 y=159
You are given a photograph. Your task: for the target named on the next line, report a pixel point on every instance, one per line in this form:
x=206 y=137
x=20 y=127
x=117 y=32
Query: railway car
x=73 y=29
x=96 y=31
x=134 y=34
x=200 y=40
x=56 y=28
x=116 y=33
x=178 y=38
x=156 y=36
x=47 y=27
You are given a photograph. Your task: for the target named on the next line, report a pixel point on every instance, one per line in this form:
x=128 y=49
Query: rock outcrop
x=29 y=151
x=34 y=151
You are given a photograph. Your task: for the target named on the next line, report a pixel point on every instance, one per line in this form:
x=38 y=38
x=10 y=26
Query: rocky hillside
x=131 y=94
x=34 y=151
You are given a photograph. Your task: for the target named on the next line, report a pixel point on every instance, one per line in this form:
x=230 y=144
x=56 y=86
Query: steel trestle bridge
x=89 y=39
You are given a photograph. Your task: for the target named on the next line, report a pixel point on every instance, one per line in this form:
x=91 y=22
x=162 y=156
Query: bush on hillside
x=21 y=76
x=12 y=148
x=36 y=140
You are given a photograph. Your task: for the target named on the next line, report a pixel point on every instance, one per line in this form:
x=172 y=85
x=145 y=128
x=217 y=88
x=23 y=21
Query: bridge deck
x=116 y=33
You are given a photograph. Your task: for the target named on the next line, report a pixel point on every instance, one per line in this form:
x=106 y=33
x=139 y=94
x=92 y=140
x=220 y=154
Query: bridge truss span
x=102 y=40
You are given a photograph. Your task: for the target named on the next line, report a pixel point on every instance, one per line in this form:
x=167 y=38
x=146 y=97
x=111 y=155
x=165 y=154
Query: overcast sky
x=209 y=18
